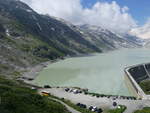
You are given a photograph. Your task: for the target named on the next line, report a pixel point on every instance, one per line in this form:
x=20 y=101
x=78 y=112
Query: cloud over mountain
x=108 y=15
x=143 y=31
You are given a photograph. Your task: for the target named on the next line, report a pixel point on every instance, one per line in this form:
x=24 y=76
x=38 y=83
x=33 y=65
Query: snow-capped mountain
x=143 y=31
x=106 y=39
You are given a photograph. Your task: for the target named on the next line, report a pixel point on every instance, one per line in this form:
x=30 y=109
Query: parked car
x=114 y=104
x=99 y=110
x=45 y=93
x=75 y=91
x=47 y=86
x=91 y=107
x=81 y=105
x=114 y=98
x=94 y=109
x=78 y=104
x=67 y=89
x=79 y=91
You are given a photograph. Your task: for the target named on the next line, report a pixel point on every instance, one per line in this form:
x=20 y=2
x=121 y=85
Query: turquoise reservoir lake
x=102 y=73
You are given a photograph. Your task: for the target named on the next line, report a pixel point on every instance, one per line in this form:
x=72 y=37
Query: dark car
x=47 y=86
x=114 y=104
x=99 y=110
x=78 y=104
x=79 y=91
x=91 y=107
x=82 y=105
x=67 y=89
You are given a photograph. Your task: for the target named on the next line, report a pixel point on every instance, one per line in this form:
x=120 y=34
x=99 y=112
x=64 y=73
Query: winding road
x=70 y=109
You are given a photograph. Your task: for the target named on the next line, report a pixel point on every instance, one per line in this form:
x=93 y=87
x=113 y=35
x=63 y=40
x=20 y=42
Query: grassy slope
x=19 y=99
x=145 y=85
x=144 y=110
x=21 y=49
x=118 y=110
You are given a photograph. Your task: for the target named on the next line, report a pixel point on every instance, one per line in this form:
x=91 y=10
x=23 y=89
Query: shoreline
x=32 y=72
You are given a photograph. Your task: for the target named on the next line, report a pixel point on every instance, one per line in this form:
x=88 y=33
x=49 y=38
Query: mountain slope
x=27 y=38
x=48 y=29
x=103 y=38
x=107 y=40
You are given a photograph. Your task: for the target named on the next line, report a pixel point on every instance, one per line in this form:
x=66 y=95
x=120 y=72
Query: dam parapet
x=137 y=75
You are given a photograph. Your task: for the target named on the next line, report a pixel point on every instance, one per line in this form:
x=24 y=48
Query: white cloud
x=108 y=15
x=143 y=31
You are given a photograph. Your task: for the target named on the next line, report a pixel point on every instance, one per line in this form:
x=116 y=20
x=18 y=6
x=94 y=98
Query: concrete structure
x=135 y=74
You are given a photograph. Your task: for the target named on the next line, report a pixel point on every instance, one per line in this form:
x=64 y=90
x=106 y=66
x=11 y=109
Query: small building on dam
x=138 y=77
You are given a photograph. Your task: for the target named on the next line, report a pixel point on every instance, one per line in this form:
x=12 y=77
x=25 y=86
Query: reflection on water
x=102 y=73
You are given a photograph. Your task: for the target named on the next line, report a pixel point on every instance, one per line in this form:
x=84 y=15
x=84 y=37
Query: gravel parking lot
x=102 y=102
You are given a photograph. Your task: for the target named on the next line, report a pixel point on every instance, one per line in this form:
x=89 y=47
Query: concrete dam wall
x=134 y=75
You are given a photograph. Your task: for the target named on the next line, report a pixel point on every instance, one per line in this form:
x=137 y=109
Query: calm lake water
x=102 y=73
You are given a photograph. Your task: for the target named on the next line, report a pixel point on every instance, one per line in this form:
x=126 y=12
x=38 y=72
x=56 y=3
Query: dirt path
x=70 y=109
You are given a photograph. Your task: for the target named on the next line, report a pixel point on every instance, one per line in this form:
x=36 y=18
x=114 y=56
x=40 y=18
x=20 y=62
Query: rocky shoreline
x=31 y=73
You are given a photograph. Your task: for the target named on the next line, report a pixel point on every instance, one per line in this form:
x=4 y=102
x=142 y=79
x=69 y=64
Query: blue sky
x=119 y=16
x=139 y=9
